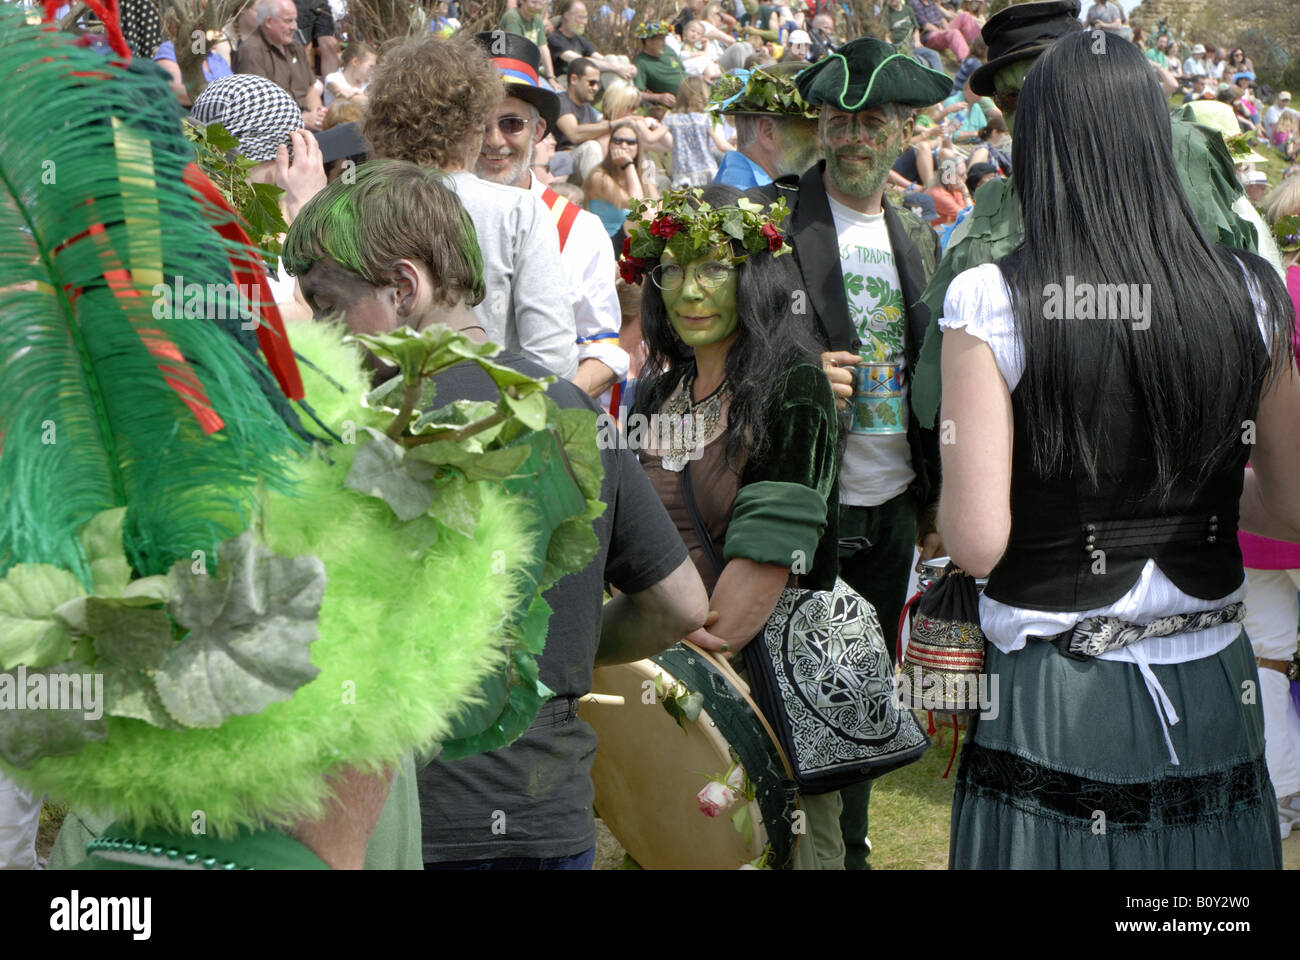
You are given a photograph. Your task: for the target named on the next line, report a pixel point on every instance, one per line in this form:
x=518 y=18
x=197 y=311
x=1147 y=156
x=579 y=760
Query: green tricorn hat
x=868 y=73
x=769 y=91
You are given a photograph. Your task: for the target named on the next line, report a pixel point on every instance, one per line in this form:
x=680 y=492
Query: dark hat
x=977 y=172
x=921 y=204
x=517 y=59
x=868 y=73
x=344 y=140
x=1022 y=32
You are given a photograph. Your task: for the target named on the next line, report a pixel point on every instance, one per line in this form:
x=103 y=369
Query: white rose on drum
x=722 y=793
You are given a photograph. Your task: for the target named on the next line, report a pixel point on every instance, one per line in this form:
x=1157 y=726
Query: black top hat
x=1022 y=32
x=517 y=59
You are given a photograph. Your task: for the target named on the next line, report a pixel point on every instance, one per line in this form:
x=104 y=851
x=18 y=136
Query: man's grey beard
x=513 y=175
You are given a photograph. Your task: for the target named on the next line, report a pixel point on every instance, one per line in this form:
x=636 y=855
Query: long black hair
x=771 y=340
x=1103 y=204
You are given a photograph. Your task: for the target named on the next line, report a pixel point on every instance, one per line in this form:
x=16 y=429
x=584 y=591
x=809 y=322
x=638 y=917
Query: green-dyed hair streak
x=393 y=210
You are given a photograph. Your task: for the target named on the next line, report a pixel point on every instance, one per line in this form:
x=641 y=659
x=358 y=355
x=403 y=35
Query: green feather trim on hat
x=869 y=73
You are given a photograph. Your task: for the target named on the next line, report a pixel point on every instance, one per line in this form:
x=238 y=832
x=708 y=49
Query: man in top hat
x=776 y=132
x=1015 y=37
x=526 y=114
x=864 y=264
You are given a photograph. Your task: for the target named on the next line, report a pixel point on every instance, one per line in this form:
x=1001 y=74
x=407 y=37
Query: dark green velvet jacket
x=780 y=514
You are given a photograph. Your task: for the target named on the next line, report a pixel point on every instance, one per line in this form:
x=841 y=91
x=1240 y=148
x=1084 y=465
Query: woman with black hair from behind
x=1136 y=366
x=723 y=349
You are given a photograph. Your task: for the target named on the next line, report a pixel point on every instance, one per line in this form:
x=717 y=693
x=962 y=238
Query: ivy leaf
x=388 y=396
x=251 y=628
x=573 y=545
x=381 y=469
x=30 y=634
x=37 y=731
x=456 y=414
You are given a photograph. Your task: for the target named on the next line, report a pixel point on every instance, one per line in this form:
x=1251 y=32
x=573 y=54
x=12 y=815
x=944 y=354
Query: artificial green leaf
x=531 y=410
x=101 y=538
x=30 y=634
x=388 y=396
x=29 y=726
x=131 y=693
x=473 y=721
x=505 y=377
x=691 y=705
x=459 y=413
x=573 y=545
x=741 y=820
x=456 y=504
x=488 y=465
x=417 y=535
x=578 y=433
x=134 y=637
x=147 y=588
x=251 y=627
x=381 y=469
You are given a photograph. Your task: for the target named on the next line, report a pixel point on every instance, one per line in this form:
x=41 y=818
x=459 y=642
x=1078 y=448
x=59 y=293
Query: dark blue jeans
x=579 y=861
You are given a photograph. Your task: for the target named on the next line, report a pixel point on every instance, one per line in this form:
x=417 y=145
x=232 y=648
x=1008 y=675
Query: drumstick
x=608 y=699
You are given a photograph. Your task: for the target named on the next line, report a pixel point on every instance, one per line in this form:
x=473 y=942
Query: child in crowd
x=694 y=136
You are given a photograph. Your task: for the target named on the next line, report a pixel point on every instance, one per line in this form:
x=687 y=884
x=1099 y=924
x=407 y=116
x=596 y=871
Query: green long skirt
x=1072 y=770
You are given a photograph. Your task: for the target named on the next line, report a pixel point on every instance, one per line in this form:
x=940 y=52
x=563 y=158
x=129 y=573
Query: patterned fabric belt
x=1094 y=636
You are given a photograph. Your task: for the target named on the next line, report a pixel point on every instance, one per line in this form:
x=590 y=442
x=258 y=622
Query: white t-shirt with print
x=877 y=465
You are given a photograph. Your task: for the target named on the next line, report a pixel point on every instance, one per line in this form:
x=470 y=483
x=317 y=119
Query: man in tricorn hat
x=528 y=111
x=776 y=132
x=1015 y=37
x=864 y=263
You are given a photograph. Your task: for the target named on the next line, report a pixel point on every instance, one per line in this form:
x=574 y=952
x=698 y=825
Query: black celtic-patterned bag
x=823 y=677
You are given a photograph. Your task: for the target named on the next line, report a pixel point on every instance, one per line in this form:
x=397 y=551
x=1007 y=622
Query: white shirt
x=979 y=302
x=525 y=309
x=877 y=466
x=588 y=258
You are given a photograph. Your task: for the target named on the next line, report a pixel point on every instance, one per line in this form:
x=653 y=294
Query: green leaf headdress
x=691 y=228
x=767 y=92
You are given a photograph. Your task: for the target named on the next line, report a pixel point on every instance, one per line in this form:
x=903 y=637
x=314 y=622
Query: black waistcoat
x=1073 y=547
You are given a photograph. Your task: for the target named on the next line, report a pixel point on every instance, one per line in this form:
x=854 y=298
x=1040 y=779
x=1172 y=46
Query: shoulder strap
x=563 y=212
x=697 y=522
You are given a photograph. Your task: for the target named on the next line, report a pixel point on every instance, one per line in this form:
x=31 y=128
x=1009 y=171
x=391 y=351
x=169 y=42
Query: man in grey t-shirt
x=528 y=805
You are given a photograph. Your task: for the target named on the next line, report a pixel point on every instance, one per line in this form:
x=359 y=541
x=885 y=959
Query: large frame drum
x=648 y=771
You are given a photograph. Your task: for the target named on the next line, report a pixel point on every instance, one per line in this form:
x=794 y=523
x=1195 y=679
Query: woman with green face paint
x=725 y=359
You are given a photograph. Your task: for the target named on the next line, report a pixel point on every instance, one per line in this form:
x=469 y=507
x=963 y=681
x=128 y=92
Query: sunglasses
x=622 y=140
x=511 y=126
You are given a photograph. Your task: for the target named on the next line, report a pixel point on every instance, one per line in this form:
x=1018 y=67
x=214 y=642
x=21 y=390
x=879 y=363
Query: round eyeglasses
x=710 y=275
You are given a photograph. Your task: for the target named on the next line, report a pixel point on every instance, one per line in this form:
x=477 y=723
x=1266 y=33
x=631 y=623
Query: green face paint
x=1006 y=84
x=798 y=147
x=860 y=148
x=701 y=312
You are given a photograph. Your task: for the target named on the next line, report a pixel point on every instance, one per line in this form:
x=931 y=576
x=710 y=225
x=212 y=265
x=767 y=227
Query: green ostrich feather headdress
x=691 y=228
x=248 y=614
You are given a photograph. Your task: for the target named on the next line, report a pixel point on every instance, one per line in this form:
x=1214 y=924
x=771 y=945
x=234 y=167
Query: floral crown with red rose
x=690 y=228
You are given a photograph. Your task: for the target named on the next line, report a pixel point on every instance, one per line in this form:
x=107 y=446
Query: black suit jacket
x=810 y=230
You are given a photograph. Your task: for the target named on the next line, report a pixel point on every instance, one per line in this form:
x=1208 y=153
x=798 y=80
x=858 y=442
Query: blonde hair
x=342 y=111
x=1288 y=122
x=621 y=98
x=1283 y=200
x=692 y=96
